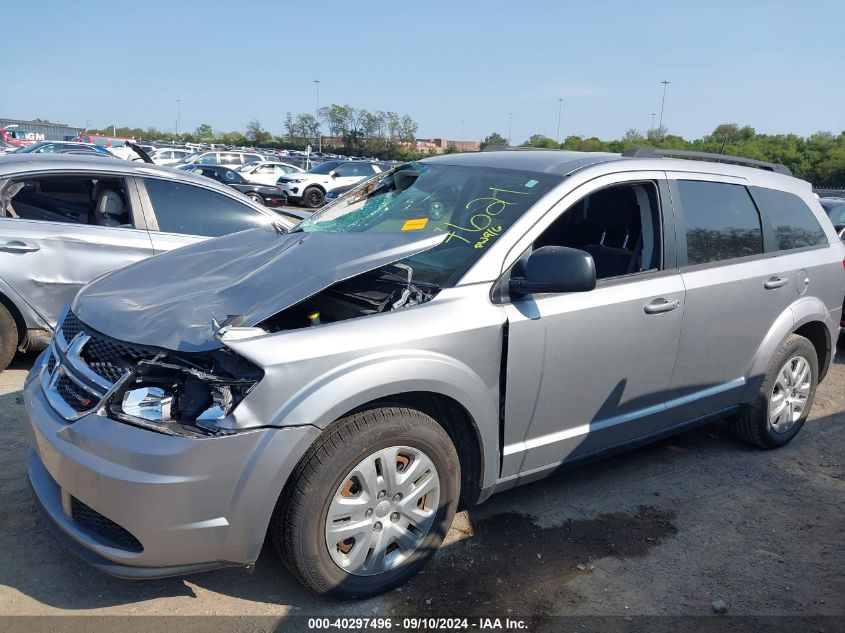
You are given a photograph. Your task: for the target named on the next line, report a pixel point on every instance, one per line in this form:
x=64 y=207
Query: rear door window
x=721 y=221
x=190 y=210
x=793 y=222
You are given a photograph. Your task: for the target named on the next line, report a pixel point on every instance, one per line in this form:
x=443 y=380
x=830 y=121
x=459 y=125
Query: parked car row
x=456 y=327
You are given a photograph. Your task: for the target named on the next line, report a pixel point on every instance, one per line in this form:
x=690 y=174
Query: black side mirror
x=333 y=174
x=556 y=269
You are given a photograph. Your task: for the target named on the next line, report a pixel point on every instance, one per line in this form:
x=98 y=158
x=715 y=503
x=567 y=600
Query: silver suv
x=65 y=220
x=446 y=330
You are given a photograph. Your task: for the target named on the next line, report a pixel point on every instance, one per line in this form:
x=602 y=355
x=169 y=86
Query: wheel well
x=818 y=335
x=314 y=186
x=460 y=426
x=16 y=315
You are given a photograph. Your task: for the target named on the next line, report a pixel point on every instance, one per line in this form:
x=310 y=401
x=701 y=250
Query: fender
x=379 y=376
x=801 y=311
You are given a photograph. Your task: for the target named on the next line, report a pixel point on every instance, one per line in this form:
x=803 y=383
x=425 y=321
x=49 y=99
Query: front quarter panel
x=450 y=346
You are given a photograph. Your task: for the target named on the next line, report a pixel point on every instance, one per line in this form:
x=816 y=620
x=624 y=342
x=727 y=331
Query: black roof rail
x=657 y=152
x=517 y=148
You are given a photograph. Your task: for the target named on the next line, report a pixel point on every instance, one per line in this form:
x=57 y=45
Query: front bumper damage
x=161 y=505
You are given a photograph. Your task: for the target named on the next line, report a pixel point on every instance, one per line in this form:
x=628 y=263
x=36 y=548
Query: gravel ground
x=667 y=529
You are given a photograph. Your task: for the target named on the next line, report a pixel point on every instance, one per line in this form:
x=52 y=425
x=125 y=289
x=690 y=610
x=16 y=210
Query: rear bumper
x=187 y=504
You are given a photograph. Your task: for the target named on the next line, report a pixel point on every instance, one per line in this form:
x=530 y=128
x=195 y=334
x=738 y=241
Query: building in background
x=20 y=132
x=440 y=145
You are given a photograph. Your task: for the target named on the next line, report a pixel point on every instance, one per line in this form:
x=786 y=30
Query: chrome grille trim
x=66 y=363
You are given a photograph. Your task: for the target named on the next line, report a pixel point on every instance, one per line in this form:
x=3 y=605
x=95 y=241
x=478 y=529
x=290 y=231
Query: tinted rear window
x=721 y=221
x=794 y=224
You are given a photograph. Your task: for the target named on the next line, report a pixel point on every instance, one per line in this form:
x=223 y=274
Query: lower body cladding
x=170 y=505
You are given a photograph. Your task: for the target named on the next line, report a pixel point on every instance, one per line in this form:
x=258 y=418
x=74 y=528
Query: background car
x=66 y=219
x=269 y=172
x=268 y=195
x=168 y=156
x=334 y=194
x=309 y=188
x=835 y=209
x=227 y=158
x=59 y=147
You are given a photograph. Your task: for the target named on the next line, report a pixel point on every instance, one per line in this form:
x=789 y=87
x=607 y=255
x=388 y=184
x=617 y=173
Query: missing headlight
x=188 y=396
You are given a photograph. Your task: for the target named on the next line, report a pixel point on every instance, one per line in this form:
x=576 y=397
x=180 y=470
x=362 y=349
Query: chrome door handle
x=16 y=246
x=775 y=282
x=661 y=305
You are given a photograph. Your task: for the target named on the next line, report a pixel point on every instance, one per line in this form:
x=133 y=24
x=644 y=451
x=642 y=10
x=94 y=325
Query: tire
x=256 y=197
x=299 y=528
x=313 y=197
x=8 y=337
x=755 y=424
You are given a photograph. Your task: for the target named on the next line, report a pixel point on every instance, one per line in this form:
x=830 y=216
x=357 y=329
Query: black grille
x=76 y=398
x=51 y=364
x=111 y=359
x=71 y=326
x=103 y=528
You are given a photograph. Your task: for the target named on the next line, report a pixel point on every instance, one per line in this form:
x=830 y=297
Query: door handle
x=16 y=246
x=661 y=305
x=775 y=282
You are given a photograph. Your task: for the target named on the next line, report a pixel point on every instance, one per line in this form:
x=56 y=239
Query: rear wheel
x=785 y=398
x=369 y=504
x=8 y=337
x=256 y=197
x=313 y=197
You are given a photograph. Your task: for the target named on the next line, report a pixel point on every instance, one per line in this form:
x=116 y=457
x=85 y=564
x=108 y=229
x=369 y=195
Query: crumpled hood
x=169 y=300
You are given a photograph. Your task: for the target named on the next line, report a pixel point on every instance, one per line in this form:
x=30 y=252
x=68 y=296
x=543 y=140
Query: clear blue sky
x=777 y=66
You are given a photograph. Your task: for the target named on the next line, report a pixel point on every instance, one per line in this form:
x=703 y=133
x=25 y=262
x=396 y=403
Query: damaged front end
x=177 y=393
x=183 y=397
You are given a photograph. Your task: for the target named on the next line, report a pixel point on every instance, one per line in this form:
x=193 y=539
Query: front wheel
x=369 y=504
x=313 y=197
x=785 y=398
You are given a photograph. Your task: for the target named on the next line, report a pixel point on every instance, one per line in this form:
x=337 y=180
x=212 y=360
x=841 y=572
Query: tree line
x=354 y=131
x=818 y=158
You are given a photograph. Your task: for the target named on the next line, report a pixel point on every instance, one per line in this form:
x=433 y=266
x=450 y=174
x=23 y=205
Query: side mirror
x=333 y=174
x=556 y=269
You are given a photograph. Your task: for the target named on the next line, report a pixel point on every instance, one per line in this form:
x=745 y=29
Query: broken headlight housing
x=183 y=397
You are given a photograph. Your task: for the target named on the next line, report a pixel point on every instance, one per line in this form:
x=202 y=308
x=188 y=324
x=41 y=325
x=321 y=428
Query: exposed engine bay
x=388 y=288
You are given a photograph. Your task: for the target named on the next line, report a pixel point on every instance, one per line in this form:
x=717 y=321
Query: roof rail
x=656 y=152
x=516 y=148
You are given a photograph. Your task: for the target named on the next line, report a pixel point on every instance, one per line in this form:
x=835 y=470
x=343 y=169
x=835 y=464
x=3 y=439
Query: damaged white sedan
x=449 y=329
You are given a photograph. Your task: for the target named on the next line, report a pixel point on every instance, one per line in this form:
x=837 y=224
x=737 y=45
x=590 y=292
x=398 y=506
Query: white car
x=169 y=156
x=268 y=173
x=310 y=187
x=230 y=158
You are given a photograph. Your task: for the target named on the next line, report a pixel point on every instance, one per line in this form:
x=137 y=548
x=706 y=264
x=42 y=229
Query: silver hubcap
x=382 y=510
x=789 y=394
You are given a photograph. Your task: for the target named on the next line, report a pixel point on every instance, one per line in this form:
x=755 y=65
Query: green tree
x=254 y=130
x=494 y=138
x=205 y=131
x=540 y=140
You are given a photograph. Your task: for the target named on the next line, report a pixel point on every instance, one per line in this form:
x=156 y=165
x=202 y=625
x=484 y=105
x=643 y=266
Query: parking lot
x=667 y=529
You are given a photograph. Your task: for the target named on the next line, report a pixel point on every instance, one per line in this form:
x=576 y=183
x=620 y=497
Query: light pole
x=178 y=115
x=559 y=108
x=510 y=118
x=663 y=102
x=317 y=117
